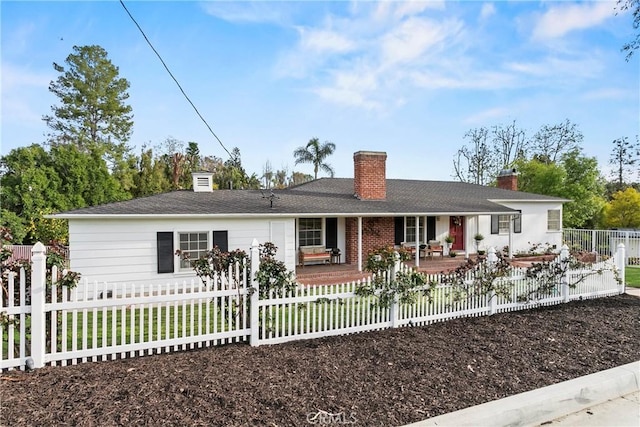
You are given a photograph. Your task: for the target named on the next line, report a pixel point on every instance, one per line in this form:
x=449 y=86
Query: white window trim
x=558 y=219
x=322 y=233
x=178 y=261
x=504 y=231
x=421 y=227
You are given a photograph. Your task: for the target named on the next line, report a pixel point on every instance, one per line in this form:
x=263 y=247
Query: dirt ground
x=384 y=378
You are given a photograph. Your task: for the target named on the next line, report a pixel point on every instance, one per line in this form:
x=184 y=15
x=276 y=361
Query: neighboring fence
x=604 y=242
x=100 y=322
x=23 y=252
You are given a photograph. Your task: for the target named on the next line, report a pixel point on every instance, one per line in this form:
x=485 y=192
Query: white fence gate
x=49 y=325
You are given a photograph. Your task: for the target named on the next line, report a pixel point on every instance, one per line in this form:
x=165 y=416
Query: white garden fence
x=99 y=321
x=604 y=242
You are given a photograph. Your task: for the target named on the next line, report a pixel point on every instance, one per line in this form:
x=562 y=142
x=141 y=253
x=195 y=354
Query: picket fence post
x=492 y=259
x=564 y=284
x=394 y=310
x=620 y=262
x=255 y=295
x=38 y=295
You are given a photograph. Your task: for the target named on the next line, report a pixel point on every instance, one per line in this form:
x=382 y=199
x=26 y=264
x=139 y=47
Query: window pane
x=310 y=232
x=553 y=219
x=503 y=223
x=193 y=244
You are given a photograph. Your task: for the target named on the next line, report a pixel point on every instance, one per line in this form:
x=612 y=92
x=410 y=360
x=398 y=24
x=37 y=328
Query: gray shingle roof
x=323 y=196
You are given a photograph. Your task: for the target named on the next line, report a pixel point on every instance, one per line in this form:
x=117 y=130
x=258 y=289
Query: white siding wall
x=534 y=228
x=125 y=250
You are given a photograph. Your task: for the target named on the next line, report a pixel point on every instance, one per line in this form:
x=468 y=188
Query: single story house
x=136 y=240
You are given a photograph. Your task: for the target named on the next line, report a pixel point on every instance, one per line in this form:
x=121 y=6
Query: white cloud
x=411 y=8
x=414 y=37
x=21 y=93
x=562 y=19
x=557 y=68
x=246 y=11
x=488 y=10
x=15 y=78
x=322 y=41
x=352 y=88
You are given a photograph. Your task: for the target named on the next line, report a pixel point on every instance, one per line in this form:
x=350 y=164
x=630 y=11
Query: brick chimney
x=508 y=179
x=369 y=175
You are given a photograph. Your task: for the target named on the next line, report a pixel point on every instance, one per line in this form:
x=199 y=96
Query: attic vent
x=202 y=181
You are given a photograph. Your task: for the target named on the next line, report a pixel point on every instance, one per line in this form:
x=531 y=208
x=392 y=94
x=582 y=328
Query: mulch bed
x=390 y=377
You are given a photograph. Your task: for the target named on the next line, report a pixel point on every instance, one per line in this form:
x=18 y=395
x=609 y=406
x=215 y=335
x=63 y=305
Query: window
x=194 y=244
x=410 y=229
x=503 y=224
x=553 y=219
x=500 y=223
x=310 y=232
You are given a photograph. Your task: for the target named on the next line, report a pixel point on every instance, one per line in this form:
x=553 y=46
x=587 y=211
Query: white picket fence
x=604 y=242
x=99 y=322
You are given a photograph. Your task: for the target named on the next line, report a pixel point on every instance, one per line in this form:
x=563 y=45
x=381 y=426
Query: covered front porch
x=327 y=274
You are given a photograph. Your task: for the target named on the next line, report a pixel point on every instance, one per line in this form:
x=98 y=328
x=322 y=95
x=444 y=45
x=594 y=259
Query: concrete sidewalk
x=582 y=397
x=621 y=412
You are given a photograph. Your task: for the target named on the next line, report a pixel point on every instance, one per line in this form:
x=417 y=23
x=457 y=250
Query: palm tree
x=316 y=153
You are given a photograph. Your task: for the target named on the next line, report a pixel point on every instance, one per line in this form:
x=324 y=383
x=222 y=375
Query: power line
x=174 y=79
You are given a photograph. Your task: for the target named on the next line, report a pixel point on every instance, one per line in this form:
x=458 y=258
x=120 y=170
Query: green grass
x=632 y=276
x=123 y=326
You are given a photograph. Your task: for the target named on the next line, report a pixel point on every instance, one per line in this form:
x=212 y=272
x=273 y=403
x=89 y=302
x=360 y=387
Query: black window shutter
x=398 y=223
x=431 y=228
x=165 y=251
x=221 y=240
x=517 y=224
x=495 y=227
x=331 y=233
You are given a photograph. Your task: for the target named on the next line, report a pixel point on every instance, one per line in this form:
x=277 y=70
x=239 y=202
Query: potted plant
x=449 y=240
x=478 y=238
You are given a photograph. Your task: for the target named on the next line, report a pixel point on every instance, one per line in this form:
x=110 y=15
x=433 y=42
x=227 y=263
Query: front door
x=456 y=230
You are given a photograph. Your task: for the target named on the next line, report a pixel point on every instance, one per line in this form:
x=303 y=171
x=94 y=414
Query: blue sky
x=408 y=78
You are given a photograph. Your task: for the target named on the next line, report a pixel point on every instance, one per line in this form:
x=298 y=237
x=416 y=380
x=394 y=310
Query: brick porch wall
x=376 y=232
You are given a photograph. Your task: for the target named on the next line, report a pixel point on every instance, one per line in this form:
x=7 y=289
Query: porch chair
x=435 y=247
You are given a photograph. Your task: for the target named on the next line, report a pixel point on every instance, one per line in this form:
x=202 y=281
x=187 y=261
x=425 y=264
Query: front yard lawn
x=632 y=276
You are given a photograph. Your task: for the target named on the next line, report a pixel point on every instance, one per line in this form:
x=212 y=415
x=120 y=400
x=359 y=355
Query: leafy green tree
x=233 y=176
x=93 y=112
x=298 y=178
x=584 y=185
x=623 y=211
x=192 y=163
x=575 y=177
x=14 y=223
x=316 y=154
x=152 y=176
x=30 y=186
x=280 y=178
x=624 y=156
x=538 y=177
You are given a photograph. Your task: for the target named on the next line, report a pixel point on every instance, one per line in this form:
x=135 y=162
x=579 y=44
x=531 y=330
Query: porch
x=328 y=274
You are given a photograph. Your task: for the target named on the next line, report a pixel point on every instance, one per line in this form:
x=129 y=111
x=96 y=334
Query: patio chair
x=435 y=247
